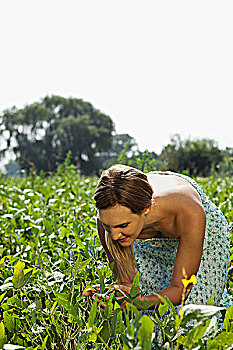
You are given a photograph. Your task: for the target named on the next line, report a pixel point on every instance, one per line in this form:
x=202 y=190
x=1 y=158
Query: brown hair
x=129 y=187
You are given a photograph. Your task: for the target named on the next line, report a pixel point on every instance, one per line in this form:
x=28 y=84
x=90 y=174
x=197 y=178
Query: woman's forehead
x=116 y=215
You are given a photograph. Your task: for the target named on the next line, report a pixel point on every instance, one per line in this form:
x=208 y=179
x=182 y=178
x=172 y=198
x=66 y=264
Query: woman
x=162 y=224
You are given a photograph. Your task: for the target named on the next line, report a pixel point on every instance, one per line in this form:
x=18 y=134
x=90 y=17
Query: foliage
x=144 y=161
x=196 y=156
x=120 y=143
x=226 y=166
x=50 y=253
x=43 y=132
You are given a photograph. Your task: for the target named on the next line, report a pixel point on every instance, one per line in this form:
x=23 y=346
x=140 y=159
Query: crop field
x=50 y=252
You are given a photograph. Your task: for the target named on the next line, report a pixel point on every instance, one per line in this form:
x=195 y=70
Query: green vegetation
x=49 y=254
x=41 y=134
x=197 y=156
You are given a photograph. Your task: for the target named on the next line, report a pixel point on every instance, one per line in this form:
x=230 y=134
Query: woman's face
x=122 y=224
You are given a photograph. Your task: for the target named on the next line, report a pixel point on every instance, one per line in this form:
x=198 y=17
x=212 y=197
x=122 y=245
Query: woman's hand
x=91 y=291
x=120 y=298
x=103 y=298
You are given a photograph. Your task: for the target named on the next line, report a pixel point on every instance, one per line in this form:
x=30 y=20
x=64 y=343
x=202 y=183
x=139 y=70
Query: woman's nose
x=115 y=233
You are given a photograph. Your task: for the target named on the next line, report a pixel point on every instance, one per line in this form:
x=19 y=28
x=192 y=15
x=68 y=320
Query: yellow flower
x=181 y=312
x=185 y=282
x=191 y=280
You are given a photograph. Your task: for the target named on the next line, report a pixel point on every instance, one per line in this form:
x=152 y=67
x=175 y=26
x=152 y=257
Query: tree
x=119 y=142
x=226 y=167
x=198 y=157
x=42 y=133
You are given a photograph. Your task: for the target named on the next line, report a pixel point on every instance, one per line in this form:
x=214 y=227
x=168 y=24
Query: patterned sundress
x=155 y=257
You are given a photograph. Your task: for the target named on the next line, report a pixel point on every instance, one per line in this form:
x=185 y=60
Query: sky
x=157 y=68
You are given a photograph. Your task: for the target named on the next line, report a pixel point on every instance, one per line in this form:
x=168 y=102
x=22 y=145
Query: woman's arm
x=189 y=227
x=190 y=224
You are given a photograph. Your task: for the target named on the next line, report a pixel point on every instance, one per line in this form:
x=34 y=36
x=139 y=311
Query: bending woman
x=161 y=224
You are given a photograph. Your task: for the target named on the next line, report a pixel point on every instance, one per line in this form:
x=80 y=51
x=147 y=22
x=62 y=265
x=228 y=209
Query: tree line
x=41 y=134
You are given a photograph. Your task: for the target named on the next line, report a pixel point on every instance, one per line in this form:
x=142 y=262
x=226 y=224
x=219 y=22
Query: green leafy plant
x=50 y=253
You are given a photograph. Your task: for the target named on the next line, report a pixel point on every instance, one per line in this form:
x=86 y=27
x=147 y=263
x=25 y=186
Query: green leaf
x=92 y=314
x=118 y=281
x=109 y=307
x=92 y=337
x=105 y=332
x=73 y=310
x=2 y=335
x=101 y=278
x=127 y=342
x=64 y=303
x=120 y=301
x=171 y=306
x=27 y=275
x=211 y=300
x=2 y=296
x=224 y=338
x=168 y=302
x=12 y=323
x=3 y=260
x=18 y=276
x=63 y=232
x=163 y=308
x=130 y=326
x=112 y=266
x=228 y=320
x=142 y=304
x=145 y=332
x=79 y=242
x=200 y=312
x=44 y=343
x=117 y=324
x=195 y=335
x=80 y=266
x=48 y=227
x=62 y=296
x=135 y=286
x=62 y=299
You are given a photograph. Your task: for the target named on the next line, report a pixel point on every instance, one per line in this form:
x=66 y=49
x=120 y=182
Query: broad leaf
x=195 y=335
x=44 y=343
x=101 y=278
x=200 y=312
x=135 y=286
x=2 y=335
x=224 y=338
x=145 y=332
x=105 y=332
x=228 y=320
x=18 y=276
x=93 y=313
x=117 y=324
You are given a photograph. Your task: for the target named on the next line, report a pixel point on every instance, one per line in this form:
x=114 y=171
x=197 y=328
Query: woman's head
x=122 y=189
x=123 y=185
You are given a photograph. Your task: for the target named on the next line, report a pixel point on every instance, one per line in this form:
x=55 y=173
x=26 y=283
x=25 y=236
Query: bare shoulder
x=173 y=186
x=179 y=206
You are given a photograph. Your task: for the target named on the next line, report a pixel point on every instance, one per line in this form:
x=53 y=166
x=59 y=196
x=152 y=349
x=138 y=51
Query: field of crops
x=50 y=252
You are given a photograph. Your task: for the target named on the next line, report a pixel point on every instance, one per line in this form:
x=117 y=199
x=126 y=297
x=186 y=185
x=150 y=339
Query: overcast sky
x=155 y=67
